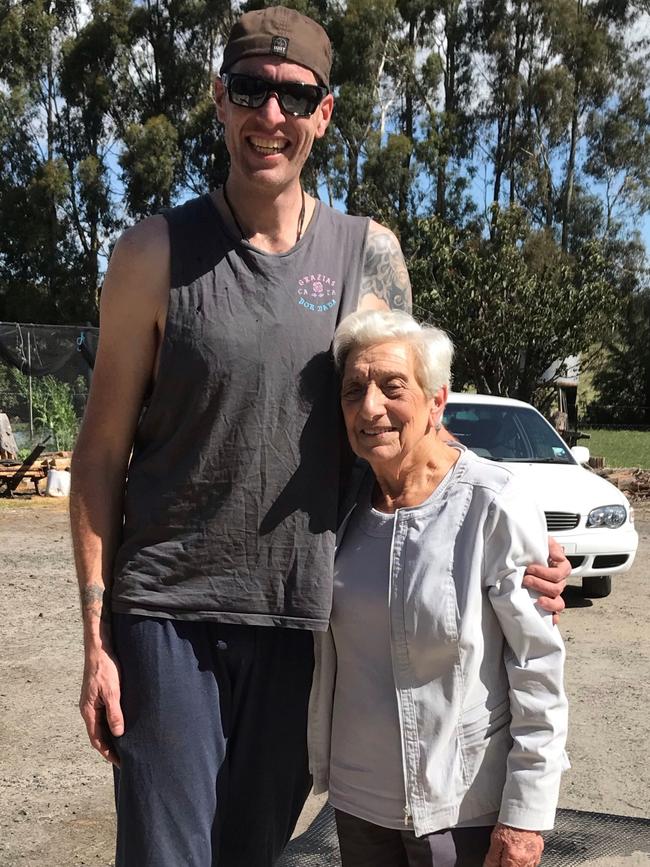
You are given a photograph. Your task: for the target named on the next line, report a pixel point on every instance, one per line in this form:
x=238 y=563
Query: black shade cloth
x=578 y=840
x=50 y=348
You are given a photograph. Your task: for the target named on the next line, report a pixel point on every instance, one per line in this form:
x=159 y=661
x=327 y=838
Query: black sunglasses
x=295 y=98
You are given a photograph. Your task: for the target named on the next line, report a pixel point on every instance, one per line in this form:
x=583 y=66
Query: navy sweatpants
x=214 y=767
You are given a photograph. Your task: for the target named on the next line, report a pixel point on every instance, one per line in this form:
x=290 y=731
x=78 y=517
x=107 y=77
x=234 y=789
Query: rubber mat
x=578 y=839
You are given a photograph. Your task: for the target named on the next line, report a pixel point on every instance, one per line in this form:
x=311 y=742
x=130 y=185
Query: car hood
x=567 y=487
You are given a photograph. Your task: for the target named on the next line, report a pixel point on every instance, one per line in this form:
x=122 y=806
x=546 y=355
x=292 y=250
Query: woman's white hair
x=432 y=349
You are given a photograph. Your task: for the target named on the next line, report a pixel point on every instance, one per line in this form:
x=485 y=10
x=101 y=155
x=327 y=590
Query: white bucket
x=58 y=483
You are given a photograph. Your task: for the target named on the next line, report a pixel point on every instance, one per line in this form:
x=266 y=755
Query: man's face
x=267 y=146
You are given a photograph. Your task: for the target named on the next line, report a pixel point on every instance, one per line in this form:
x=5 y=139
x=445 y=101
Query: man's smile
x=267 y=145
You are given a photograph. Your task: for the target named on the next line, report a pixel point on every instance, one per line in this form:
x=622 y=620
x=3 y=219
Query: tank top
x=230 y=505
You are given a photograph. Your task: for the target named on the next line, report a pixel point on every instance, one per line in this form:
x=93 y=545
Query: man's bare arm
x=133 y=307
x=385 y=281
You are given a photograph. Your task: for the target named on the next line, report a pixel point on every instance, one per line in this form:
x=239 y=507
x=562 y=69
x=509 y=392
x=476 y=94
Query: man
x=203 y=577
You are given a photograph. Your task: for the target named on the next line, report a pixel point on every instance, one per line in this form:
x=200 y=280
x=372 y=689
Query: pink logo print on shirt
x=317 y=292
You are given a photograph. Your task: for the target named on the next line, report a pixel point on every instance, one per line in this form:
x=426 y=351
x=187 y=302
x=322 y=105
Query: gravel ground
x=55 y=793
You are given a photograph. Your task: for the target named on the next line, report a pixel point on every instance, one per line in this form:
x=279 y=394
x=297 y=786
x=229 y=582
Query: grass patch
x=620 y=448
x=25 y=501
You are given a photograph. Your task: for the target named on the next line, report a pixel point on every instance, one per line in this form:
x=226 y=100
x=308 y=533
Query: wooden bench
x=8 y=474
x=12 y=473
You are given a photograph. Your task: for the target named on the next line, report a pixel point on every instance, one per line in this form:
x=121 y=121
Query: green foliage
x=386 y=173
x=622 y=377
x=53 y=406
x=513 y=303
x=149 y=163
x=79 y=85
x=506 y=144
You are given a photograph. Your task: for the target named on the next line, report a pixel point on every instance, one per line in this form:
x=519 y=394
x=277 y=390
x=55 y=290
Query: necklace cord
x=301 y=217
x=232 y=212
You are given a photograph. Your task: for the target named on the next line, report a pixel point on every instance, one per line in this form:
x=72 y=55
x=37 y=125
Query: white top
x=366 y=778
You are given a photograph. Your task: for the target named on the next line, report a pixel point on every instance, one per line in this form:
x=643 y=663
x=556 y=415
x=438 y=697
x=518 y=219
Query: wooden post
x=31 y=396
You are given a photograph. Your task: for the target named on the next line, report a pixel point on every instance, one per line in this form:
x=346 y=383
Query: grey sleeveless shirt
x=231 y=499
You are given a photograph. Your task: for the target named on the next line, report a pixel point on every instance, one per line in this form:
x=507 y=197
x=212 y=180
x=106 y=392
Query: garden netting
x=45 y=372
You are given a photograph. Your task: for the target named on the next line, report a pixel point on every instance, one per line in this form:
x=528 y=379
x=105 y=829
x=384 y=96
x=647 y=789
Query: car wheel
x=597 y=586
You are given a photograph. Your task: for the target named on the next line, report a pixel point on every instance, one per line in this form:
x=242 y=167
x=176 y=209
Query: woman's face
x=387 y=414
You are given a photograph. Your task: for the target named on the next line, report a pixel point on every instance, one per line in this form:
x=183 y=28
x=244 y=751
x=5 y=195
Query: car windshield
x=506 y=433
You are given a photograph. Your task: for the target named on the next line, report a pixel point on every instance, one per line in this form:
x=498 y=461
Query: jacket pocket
x=484 y=738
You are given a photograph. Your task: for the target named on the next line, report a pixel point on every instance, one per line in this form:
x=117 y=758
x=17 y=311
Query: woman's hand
x=513 y=847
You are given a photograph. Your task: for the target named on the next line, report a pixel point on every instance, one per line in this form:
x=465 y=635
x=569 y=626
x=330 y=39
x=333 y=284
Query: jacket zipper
x=407 y=809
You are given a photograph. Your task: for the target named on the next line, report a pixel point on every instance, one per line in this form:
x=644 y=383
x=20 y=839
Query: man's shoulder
x=382 y=234
x=383 y=242
x=337 y=216
x=152 y=233
x=146 y=238
x=196 y=207
x=139 y=266
x=376 y=232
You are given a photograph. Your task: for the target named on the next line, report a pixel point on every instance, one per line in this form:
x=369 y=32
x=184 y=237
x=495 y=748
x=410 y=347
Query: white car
x=589 y=517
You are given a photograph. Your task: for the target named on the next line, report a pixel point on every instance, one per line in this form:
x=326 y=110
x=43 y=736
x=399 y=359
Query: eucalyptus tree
x=431 y=72
x=450 y=128
x=164 y=94
x=565 y=106
x=618 y=149
x=507 y=31
x=38 y=250
x=362 y=34
x=92 y=57
x=590 y=39
x=106 y=115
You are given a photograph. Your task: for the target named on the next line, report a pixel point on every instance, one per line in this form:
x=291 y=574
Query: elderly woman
x=438 y=716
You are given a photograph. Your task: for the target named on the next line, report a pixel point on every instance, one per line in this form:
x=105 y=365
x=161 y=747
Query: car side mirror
x=581 y=454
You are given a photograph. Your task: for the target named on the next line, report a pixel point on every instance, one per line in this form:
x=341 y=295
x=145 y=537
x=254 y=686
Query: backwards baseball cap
x=280 y=32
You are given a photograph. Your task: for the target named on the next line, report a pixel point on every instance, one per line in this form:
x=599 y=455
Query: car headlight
x=607 y=516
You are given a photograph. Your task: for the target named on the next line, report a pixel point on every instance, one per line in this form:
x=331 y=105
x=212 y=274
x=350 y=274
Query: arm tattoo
x=95 y=601
x=384 y=270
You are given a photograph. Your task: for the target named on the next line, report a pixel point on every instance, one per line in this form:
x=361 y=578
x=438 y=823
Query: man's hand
x=550 y=580
x=100 y=703
x=512 y=847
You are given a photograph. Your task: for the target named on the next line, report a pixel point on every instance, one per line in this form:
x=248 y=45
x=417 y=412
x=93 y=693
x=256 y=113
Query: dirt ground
x=55 y=793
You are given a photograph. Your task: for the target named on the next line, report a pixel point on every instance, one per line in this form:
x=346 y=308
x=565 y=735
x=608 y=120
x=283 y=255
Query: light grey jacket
x=477 y=665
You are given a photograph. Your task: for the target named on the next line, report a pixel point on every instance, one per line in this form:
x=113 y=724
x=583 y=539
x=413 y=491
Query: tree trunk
x=408 y=132
x=498 y=171
x=353 y=180
x=449 y=110
x=570 y=173
x=53 y=221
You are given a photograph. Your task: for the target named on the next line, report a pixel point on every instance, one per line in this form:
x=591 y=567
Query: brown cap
x=280 y=32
